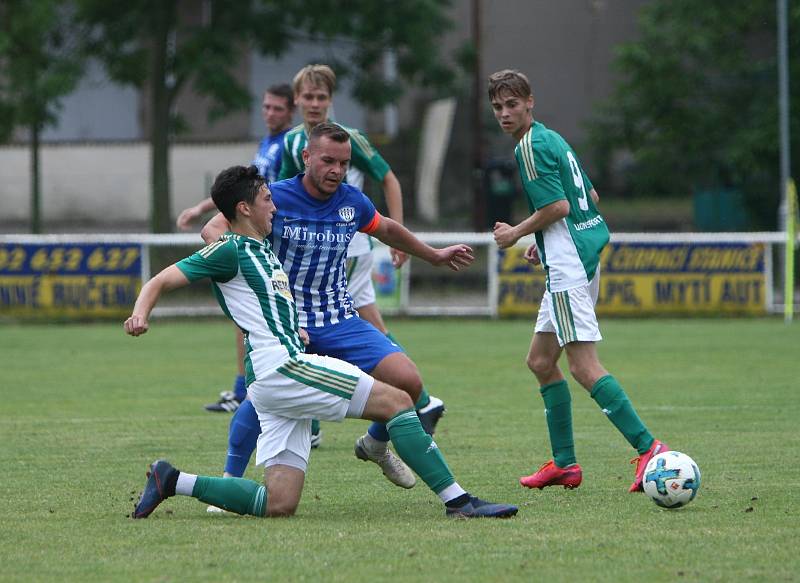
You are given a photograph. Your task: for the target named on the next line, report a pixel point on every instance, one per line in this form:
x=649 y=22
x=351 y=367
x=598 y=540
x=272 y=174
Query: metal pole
x=783 y=107
x=783 y=122
x=478 y=199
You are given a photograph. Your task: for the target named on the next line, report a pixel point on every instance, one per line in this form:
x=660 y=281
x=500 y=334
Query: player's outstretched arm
x=169 y=279
x=215 y=228
x=396 y=235
x=505 y=235
x=191 y=214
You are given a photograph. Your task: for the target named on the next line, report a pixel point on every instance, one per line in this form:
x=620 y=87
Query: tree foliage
x=165 y=47
x=696 y=104
x=39 y=64
x=412 y=29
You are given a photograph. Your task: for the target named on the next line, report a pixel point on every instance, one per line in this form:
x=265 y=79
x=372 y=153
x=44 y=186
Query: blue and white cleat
x=154 y=489
x=477 y=508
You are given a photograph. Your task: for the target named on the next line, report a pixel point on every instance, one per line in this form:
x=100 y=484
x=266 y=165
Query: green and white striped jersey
x=569 y=248
x=253 y=291
x=363 y=157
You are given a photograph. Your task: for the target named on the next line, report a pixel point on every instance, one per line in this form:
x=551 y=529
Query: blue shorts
x=353 y=340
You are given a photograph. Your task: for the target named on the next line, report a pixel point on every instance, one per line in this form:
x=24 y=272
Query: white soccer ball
x=671 y=479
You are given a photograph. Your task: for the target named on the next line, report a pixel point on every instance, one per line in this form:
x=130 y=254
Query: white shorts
x=570 y=313
x=359 y=280
x=303 y=388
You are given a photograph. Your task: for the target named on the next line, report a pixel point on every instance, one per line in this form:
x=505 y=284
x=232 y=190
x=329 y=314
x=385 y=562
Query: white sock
x=185 y=484
x=373 y=444
x=449 y=493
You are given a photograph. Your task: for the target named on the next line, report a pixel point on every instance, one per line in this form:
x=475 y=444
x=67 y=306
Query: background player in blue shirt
x=277 y=108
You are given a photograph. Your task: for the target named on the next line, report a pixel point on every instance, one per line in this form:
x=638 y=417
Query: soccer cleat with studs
x=549 y=474
x=227 y=403
x=395 y=469
x=154 y=492
x=477 y=508
x=430 y=414
x=641 y=463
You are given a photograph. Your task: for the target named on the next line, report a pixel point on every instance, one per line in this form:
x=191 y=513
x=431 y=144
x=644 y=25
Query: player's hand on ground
x=455 y=257
x=187 y=217
x=303 y=336
x=136 y=325
x=398 y=257
x=531 y=255
x=504 y=235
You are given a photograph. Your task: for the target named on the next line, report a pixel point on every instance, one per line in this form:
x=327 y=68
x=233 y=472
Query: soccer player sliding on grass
x=570 y=234
x=288 y=387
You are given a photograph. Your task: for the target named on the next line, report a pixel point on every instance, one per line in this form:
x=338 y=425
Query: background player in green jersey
x=289 y=387
x=570 y=234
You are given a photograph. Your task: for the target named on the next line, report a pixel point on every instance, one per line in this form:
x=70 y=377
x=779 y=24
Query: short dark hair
x=234 y=185
x=509 y=80
x=328 y=129
x=282 y=90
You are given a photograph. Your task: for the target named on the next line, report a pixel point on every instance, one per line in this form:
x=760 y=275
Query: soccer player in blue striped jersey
x=287 y=386
x=317 y=217
x=570 y=234
x=277 y=107
x=314 y=86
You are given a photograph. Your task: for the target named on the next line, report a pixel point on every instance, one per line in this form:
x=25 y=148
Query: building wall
x=106 y=186
x=566 y=49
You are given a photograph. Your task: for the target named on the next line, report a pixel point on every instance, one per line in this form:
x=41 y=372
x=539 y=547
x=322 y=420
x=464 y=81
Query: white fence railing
x=482 y=303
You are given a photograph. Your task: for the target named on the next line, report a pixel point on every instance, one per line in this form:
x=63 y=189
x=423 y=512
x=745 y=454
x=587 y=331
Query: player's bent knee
x=282 y=500
x=284 y=489
x=385 y=401
x=399 y=371
x=281 y=509
x=412 y=385
x=540 y=365
x=401 y=401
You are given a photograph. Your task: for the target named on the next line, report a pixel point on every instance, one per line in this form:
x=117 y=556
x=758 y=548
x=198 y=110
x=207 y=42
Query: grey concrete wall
x=565 y=48
x=106 y=186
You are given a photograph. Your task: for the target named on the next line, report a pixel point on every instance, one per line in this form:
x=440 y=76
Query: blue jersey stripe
x=310 y=238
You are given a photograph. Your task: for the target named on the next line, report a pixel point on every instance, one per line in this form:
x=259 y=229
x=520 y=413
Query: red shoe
x=641 y=463
x=551 y=475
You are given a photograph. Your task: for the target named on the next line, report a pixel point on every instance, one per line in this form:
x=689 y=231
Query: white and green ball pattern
x=671 y=479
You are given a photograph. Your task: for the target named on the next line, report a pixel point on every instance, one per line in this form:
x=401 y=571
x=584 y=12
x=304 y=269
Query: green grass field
x=85 y=409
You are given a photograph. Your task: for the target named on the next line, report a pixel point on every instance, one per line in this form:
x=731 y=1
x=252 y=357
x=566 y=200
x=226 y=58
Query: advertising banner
x=653 y=279
x=69 y=280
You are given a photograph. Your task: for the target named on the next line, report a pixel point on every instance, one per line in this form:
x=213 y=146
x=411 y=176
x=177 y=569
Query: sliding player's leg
x=420 y=452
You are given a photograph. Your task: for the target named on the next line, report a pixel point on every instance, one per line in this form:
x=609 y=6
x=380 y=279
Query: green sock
x=424 y=398
x=558 y=411
x=233 y=494
x=419 y=451
x=423 y=401
x=314 y=426
x=608 y=393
